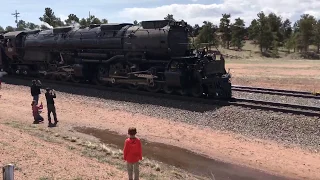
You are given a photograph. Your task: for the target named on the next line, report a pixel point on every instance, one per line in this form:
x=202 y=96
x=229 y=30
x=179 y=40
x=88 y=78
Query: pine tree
x=238 y=32
x=225 y=29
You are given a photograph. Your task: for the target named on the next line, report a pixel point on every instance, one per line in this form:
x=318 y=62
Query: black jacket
x=49 y=98
x=35 y=90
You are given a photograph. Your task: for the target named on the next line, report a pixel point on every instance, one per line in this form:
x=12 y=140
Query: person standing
x=50 y=95
x=2 y=73
x=132 y=153
x=35 y=90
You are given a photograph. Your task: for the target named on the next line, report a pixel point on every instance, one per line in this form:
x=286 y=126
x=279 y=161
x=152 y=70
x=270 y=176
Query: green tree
x=22 y=25
x=265 y=35
x=169 y=17
x=286 y=29
x=71 y=19
x=135 y=22
x=238 y=32
x=83 y=22
x=196 y=29
x=225 y=29
x=50 y=18
x=104 y=21
x=32 y=26
x=253 y=30
x=275 y=45
x=306 y=25
x=9 y=28
x=207 y=34
x=317 y=35
x=1 y=29
x=275 y=23
x=93 y=20
x=291 y=42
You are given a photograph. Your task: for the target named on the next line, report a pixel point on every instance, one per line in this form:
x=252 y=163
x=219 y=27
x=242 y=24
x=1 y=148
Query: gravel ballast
x=281 y=127
x=277 y=98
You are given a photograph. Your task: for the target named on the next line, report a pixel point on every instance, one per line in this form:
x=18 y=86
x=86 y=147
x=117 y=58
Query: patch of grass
x=71 y=147
x=103 y=153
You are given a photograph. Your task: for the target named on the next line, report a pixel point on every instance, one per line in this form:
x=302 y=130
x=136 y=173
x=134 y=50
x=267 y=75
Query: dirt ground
x=47 y=158
x=39 y=159
x=301 y=75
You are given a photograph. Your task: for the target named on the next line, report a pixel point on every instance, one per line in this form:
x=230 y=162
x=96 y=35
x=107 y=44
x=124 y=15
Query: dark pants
x=52 y=109
x=36 y=98
x=38 y=118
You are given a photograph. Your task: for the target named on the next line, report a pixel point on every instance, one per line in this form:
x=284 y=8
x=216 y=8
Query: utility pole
x=16 y=16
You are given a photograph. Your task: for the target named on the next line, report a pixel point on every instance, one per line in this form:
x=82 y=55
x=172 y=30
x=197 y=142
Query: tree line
x=52 y=20
x=269 y=31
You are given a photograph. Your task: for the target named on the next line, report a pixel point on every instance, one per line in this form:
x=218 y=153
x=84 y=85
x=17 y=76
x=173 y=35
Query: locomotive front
x=182 y=70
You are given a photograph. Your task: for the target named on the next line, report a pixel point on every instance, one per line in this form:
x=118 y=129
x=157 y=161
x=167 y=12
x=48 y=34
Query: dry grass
x=104 y=153
x=290 y=72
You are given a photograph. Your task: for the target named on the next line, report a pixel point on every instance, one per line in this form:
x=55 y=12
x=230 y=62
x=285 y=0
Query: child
x=132 y=153
x=36 y=112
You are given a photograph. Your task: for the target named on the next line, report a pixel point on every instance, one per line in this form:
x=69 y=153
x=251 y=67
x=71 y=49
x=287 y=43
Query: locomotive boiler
x=155 y=56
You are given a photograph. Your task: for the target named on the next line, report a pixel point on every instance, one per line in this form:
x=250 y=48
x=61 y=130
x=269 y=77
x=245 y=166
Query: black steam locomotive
x=155 y=56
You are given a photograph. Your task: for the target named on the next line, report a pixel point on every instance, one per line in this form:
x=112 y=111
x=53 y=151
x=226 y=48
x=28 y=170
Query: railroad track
x=281 y=92
x=249 y=103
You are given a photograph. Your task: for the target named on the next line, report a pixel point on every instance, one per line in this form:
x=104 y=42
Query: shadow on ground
x=183 y=159
x=120 y=96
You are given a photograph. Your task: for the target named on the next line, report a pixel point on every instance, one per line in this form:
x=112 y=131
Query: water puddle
x=182 y=158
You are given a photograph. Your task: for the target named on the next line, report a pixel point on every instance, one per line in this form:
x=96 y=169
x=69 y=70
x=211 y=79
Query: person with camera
x=50 y=95
x=35 y=90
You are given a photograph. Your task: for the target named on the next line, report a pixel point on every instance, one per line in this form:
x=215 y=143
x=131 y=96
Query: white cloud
x=246 y=9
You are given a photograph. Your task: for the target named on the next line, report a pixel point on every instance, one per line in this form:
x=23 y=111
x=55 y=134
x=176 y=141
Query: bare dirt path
x=74 y=111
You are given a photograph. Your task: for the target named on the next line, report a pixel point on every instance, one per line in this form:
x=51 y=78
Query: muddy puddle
x=182 y=158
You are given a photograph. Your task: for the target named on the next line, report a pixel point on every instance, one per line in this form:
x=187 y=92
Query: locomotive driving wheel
x=167 y=89
x=133 y=86
x=74 y=79
x=153 y=87
x=182 y=92
x=102 y=72
x=197 y=90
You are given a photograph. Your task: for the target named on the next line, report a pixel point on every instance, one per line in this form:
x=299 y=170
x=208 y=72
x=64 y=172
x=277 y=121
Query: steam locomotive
x=155 y=56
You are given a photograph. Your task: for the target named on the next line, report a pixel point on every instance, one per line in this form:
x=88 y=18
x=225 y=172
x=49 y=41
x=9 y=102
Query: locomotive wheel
x=167 y=89
x=102 y=71
x=197 y=90
x=65 y=77
x=183 y=92
x=155 y=88
x=133 y=87
x=59 y=77
x=74 y=79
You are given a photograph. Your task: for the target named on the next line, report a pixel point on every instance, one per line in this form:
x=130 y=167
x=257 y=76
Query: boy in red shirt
x=36 y=112
x=132 y=153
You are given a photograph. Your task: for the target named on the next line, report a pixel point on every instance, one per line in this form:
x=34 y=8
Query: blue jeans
x=36 y=98
x=38 y=118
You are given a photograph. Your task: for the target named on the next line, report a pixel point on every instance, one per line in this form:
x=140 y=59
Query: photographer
x=50 y=95
x=35 y=90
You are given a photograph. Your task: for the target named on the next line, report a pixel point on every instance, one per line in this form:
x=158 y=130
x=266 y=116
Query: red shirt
x=35 y=110
x=132 y=151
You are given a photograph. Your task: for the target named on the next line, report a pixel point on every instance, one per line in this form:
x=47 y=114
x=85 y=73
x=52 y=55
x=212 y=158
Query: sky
x=191 y=11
